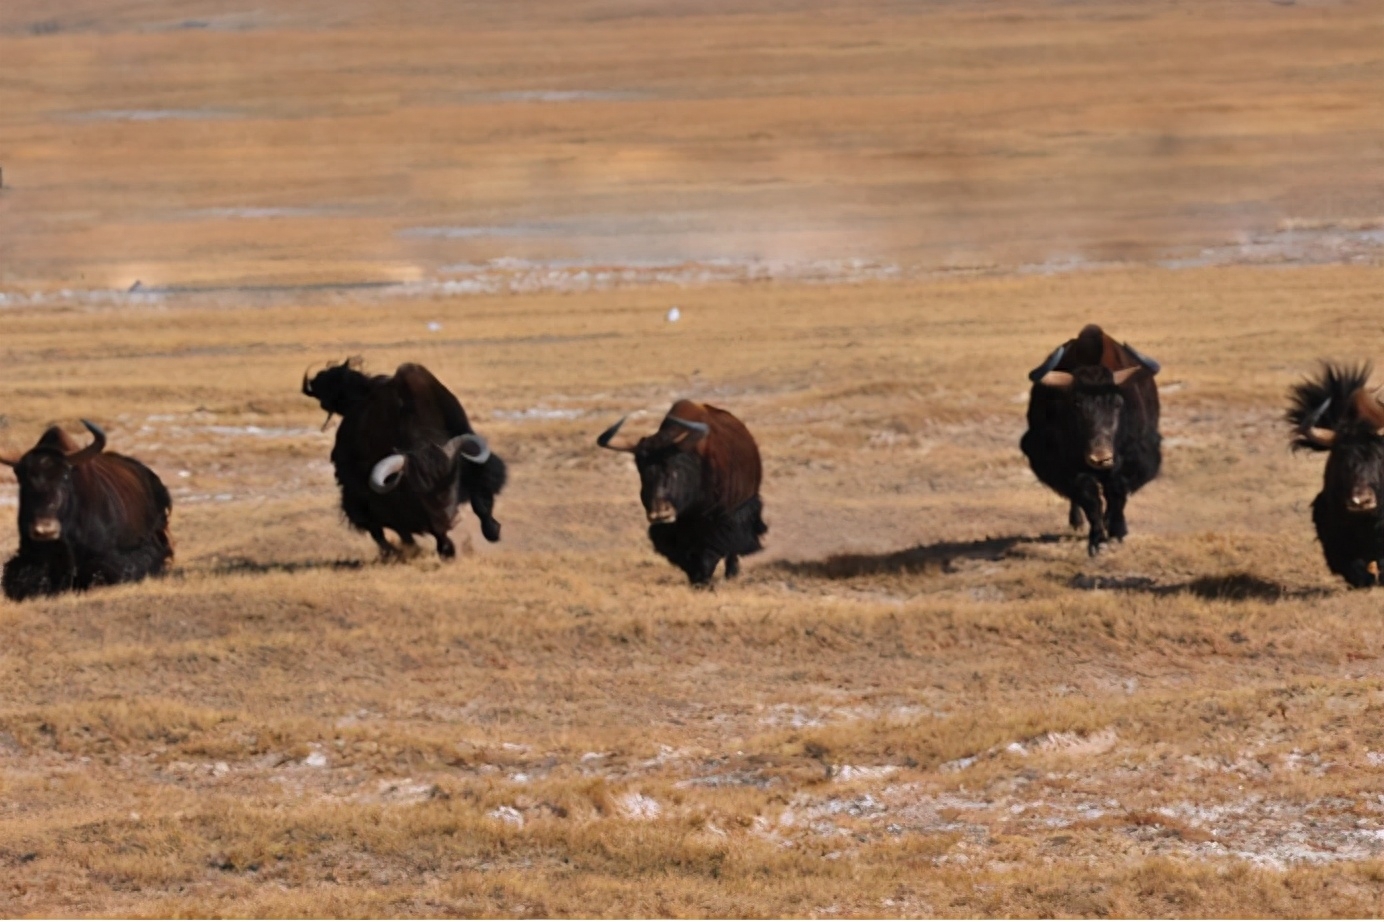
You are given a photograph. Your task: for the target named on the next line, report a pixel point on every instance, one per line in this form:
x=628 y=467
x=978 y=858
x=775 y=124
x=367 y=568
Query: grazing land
x=923 y=698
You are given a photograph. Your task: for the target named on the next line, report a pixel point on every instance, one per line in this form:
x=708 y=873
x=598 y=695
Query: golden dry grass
x=923 y=699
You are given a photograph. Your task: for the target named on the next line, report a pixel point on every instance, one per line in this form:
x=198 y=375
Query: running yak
x=1338 y=413
x=87 y=517
x=699 y=480
x=1093 y=429
x=406 y=456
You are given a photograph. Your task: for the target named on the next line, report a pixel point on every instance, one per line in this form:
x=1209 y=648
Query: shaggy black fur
x=1062 y=425
x=413 y=414
x=1352 y=539
x=696 y=542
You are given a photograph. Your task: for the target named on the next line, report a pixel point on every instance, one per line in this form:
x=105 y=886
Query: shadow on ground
x=232 y=565
x=923 y=558
x=1233 y=587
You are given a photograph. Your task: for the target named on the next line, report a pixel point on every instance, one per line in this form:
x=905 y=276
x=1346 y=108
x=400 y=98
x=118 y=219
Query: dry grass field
x=923 y=698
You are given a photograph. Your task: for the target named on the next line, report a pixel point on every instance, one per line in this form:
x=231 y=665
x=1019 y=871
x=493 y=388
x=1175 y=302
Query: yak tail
x=1325 y=400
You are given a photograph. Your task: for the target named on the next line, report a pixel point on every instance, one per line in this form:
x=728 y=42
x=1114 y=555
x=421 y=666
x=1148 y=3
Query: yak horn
x=470 y=446
x=385 y=475
x=1316 y=434
x=700 y=430
x=1037 y=374
x=1061 y=380
x=626 y=444
x=1124 y=374
x=98 y=442
x=1146 y=361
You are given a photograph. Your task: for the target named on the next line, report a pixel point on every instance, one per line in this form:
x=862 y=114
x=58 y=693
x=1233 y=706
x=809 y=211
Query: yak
x=1093 y=429
x=87 y=517
x=1338 y=413
x=699 y=480
x=405 y=455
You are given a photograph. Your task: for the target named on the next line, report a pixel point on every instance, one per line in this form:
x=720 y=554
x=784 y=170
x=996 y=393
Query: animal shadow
x=941 y=556
x=235 y=565
x=1230 y=587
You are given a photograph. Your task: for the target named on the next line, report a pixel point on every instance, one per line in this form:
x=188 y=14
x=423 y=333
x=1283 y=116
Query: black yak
x=1337 y=413
x=1093 y=429
x=405 y=456
x=699 y=480
x=87 y=518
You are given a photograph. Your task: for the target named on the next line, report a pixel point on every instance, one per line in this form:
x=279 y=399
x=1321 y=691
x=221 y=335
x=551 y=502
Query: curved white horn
x=604 y=439
x=470 y=446
x=1059 y=380
x=1037 y=374
x=385 y=475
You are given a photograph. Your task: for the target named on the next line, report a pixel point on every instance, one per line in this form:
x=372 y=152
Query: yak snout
x=45 y=529
x=1101 y=457
x=1362 y=499
x=662 y=511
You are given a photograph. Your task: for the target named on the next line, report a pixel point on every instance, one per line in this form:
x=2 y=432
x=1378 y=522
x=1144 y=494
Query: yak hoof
x=491 y=530
x=445 y=548
x=1358 y=575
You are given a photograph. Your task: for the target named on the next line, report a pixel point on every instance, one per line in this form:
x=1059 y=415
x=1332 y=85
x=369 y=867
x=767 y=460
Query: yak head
x=45 y=479
x=338 y=388
x=670 y=467
x=1337 y=412
x=428 y=467
x=1095 y=397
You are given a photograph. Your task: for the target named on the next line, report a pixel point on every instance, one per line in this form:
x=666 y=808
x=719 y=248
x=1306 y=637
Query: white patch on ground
x=507 y=815
x=856 y=772
x=637 y=806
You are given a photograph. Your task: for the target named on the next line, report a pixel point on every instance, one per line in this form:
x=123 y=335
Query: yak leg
x=445 y=548
x=1074 y=516
x=387 y=550
x=1115 y=499
x=700 y=566
x=483 y=506
x=1088 y=496
x=732 y=566
x=1357 y=574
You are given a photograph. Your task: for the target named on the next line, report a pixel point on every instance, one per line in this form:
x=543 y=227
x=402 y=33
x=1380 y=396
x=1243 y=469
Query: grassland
x=923 y=698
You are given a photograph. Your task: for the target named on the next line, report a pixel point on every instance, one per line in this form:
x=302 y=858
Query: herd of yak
x=406 y=458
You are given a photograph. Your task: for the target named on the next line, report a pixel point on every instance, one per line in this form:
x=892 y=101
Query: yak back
x=116 y=498
x=399 y=413
x=730 y=457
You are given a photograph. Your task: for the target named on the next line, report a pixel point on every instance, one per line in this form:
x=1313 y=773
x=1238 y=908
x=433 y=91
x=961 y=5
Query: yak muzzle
x=1362 y=499
x=663 y=511
x=45 y=530
x=1102 y=459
